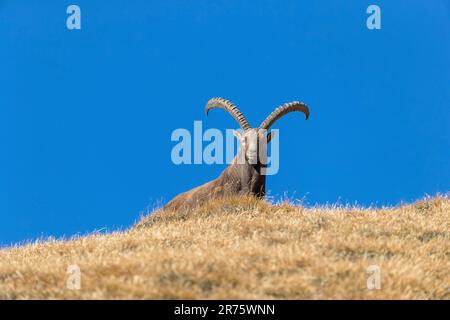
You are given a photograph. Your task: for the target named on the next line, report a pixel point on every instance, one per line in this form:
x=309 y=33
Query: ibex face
x=253 y=143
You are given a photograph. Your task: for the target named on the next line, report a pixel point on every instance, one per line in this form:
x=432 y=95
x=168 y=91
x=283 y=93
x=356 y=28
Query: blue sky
x=86 y=115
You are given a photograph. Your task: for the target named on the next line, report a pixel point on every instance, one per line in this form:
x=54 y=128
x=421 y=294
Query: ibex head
x=255 y=140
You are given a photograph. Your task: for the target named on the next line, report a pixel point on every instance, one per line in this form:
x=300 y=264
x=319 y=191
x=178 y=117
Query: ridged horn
x=231 y=108
x=282 y=110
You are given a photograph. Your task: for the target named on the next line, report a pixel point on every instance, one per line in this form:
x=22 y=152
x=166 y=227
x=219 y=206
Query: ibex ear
x=237 y=135
x=270 y=135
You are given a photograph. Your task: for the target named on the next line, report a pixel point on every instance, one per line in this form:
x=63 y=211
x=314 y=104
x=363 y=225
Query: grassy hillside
x=243 y=248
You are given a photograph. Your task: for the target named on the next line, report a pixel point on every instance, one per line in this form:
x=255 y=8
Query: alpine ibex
x=244 y=175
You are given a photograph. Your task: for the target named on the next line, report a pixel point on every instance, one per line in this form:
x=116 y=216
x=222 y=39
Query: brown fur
x=237 y=179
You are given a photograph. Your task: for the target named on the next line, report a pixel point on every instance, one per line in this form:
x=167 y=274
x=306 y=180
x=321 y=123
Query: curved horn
x=231 y=108
x=282 y=110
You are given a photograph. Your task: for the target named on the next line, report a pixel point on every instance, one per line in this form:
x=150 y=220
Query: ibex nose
x=252 y=158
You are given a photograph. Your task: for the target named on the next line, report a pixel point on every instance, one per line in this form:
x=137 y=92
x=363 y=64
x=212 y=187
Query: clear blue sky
x=86 y=115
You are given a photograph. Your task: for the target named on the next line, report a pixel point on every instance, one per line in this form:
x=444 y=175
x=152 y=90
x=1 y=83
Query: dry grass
x=245 y=249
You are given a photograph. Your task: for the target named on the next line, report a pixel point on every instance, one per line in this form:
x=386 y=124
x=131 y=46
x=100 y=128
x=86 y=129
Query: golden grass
x=241 y=248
